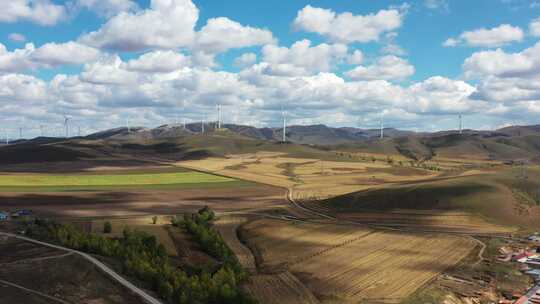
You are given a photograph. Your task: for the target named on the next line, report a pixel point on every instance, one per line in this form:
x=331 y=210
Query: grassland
x=341 y=263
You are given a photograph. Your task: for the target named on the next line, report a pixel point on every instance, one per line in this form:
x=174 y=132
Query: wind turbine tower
x=219 y=116
x=382 y=127
x=127 y=125
x=460 y=124
x=66 y=125
x=284 y=126
x=202 y=124
x=41 y=130
x=20 y=132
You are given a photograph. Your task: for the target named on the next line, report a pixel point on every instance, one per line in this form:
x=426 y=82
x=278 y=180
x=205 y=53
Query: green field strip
x=52 y=180
x=229 y=184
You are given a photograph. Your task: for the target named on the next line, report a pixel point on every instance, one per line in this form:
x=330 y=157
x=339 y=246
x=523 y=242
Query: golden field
x=351 y=264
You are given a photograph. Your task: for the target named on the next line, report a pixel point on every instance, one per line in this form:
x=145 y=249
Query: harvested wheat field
x=351 y=264
x=312 y=178
x=227 y=226
x=278 y=243
x=435 y=220
x=282 y=288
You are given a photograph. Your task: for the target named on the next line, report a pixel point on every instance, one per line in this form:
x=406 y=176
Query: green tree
x=107 y=227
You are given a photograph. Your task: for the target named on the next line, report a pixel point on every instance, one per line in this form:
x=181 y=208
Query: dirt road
x=148 y=298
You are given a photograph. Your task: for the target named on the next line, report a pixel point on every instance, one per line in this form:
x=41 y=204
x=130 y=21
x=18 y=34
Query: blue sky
x=343 y=63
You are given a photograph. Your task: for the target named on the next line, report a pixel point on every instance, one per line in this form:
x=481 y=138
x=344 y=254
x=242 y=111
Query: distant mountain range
x=510 y=143
x=176 y=142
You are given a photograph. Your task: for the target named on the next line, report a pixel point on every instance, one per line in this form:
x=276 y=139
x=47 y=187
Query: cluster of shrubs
x=144 y=259
x=199 y=225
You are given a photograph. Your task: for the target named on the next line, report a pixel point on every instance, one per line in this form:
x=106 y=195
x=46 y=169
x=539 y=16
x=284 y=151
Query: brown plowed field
x=143 y=202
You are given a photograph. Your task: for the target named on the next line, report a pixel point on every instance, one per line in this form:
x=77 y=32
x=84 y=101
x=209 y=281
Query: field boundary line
x=145 y=296
x=34 y=292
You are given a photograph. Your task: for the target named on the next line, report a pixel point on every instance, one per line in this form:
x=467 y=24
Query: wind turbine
x=41 y=130
x=460 y=124
x=382 y=126
x=127 y=125
x=219 y=116
x=66 y=125
x=284 y=115
x=202 y=123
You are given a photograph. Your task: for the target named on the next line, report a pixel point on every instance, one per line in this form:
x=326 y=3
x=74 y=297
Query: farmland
x=310 y=177
x=350 y=264
x=52 y=276
x=103 y=192
x=279 y=288
x=393 y=224
x=26 y=182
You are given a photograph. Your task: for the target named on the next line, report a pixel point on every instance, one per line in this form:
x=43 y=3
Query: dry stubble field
x=311 y=178
x=351 y=264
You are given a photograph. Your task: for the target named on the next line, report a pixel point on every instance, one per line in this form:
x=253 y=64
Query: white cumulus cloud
x=534 y=27
x=43 y=12
x=107 y=8
x=346 y=27
x=387 y=68
x=221 y=34
x=159 y=62
x=167 y=24
x=302 y=58
x=54 y=54
x=493 y=37
x=245 y=59
x=17 y=37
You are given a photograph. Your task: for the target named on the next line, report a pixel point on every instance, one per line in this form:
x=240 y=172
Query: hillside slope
x=502 y=198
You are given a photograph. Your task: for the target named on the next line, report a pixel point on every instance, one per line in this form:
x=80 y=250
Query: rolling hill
x=504 y=198
x=174 y=142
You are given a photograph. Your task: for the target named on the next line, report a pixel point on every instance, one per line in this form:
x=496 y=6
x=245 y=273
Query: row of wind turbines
x=218 y=124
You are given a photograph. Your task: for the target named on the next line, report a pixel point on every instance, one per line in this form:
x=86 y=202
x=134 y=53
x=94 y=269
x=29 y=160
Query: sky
x=417 y=65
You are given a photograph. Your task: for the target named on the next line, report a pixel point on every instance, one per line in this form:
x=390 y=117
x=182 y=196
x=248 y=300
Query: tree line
x=199 y=225
x=146 y=260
